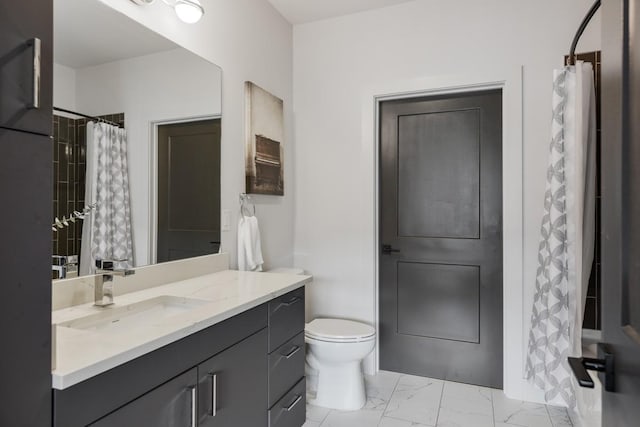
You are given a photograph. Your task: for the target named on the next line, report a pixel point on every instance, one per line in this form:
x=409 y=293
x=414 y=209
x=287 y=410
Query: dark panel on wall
x=439 y=301
x=188 y=189
x=439 y=177
x=26 y=163
x=191 y=163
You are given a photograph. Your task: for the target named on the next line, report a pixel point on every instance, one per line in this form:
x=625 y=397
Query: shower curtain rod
x=572 y=52
x=98 y=119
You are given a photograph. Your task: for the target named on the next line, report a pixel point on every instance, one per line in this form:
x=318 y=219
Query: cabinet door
x=26 y=28
x=173 y=404
x=25 y=254
x=232 y=387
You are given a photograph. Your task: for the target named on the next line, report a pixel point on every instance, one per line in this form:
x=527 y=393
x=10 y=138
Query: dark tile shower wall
x=66 y=175
x=69 y=143
x=592 y=318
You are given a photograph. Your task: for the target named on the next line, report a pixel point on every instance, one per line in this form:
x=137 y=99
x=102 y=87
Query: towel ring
x=247 y=207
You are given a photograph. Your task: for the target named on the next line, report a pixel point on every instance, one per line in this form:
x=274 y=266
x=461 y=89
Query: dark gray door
x=173 y=404
x=621 y=208
x=232 y=386
x=188 y=189
x=441 y=220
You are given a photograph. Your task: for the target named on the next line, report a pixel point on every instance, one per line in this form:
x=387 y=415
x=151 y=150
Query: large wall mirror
x=136 y=144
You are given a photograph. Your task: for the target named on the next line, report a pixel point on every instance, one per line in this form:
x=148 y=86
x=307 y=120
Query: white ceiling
x=302 y=11
x=87 y=33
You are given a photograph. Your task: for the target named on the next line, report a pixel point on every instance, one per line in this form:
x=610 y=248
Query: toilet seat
x=339 y=330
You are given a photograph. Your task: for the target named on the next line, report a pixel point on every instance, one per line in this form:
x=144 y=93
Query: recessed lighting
x=189 y=11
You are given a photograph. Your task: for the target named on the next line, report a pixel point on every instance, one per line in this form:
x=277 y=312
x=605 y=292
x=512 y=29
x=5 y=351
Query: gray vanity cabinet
x=223 y=376
x=228 y=390
x=171 y=405
x=26 y=34
x=232 y=385
x=287 y=390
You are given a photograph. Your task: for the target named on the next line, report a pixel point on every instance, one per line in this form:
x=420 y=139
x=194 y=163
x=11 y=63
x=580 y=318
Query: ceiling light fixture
x=189 y=11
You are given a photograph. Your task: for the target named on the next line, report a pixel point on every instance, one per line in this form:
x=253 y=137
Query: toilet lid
x=338 y=330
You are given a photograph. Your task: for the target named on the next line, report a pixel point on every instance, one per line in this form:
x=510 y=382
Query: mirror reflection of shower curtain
x=567 y=239
x=106 y=232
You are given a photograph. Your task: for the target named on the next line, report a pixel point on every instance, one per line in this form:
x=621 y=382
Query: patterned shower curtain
x=565 y=253
x=106 y=233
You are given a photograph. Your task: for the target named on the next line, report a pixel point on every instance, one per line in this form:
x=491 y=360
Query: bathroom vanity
x=222 y=349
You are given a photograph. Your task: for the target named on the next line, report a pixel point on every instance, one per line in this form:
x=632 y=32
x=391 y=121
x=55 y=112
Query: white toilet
x=335 y=349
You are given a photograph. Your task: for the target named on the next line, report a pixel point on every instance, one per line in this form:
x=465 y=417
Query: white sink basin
x=135 y=315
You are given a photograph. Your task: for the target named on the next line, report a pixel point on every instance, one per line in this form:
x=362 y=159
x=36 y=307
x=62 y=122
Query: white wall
x=154 y=88
x=338 y=61
x=64 y=87
x=249 y=40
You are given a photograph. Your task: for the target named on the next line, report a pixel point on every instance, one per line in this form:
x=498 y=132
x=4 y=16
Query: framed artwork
x=264 y=133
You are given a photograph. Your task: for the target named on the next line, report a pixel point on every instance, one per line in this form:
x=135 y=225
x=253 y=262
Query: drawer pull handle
x=214 y=394
x=293 y=351
x=293 y=404
x=193 y=407
x=289 y=303
x=36 y=46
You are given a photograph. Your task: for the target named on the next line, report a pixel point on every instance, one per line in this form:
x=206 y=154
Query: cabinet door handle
x=36 y=46
x=288 y=303
x=293 y=351
x=214 y=394
x=193 y=407
x=293 y=404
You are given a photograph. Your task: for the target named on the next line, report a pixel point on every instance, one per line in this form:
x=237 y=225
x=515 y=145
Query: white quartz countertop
x=82 y=354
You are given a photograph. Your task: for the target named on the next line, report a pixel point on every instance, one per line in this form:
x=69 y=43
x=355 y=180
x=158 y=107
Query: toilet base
x=340 y=387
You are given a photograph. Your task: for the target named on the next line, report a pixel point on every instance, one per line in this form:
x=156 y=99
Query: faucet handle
x=104 y=264
x=107 y=264
x=58 y=260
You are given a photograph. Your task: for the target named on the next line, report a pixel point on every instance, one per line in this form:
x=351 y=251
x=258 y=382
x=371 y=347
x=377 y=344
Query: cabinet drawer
x=286 y=367
x=171 y=405
x=290 y=411
x=286 y=318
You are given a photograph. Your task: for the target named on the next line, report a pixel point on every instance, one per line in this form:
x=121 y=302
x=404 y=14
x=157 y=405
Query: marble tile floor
x=396 y=400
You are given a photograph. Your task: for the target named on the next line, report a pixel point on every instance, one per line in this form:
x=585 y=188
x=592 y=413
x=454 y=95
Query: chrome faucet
x=64 y=265
x=103 y=290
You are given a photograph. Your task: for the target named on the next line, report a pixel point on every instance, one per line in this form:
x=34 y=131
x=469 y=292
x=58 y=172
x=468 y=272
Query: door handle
x=293 y=351
x=292 y=405
x=36 y=46
x=289 y=303
x=193 y=406
x=604 y=363
x=387 y=249
x=214 y=395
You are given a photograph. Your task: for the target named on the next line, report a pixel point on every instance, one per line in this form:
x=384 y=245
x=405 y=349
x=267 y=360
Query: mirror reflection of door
x=188 y=189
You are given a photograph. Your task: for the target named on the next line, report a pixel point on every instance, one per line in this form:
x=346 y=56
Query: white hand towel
x=249 y=248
